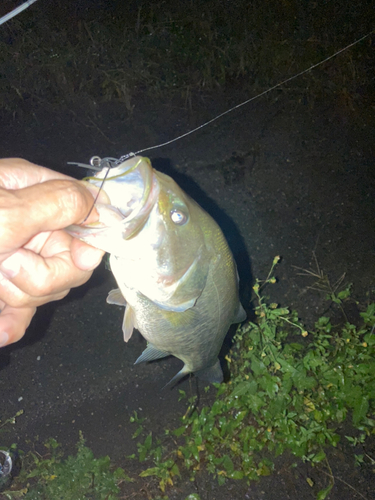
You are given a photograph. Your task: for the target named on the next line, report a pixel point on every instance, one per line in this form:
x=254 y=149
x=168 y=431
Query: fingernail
x=10 y=267
x=4 y=339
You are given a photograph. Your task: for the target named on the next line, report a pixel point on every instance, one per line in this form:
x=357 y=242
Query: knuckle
x=18 y=301
x=72 y=195
x=41 y=288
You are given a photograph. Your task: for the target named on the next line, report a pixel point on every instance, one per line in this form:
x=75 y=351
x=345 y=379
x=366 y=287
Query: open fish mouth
x=132 y=190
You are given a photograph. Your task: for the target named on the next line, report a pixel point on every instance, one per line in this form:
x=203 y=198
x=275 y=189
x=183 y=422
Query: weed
x=77 y=477
x=283 y=395
x=179 y=50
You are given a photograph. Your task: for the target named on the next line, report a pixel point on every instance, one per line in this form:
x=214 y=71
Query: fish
x=176 y=275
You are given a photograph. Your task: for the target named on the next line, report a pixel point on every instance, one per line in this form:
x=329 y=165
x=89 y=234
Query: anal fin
x=150 y=353
x=181 y=374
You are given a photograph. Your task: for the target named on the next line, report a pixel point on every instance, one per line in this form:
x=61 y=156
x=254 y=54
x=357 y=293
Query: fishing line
x=97 y=163
x=93 y=162
x=256 y=97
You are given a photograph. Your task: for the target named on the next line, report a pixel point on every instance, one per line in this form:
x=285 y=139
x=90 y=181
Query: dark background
x=289 y=174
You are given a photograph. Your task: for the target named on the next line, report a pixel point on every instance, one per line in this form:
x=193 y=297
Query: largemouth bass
x=176 y=274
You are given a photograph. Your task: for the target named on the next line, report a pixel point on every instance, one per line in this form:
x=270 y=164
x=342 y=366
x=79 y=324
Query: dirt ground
x=281 y=178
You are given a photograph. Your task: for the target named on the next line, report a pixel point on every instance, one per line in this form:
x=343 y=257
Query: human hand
x=39 y=261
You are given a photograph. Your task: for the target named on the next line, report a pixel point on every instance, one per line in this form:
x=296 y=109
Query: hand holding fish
x=39 y=262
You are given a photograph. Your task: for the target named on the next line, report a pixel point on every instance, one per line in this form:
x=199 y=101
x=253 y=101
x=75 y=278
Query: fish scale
x=176 y=274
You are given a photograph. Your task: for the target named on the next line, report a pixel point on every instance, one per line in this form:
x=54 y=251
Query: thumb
x=84 y=256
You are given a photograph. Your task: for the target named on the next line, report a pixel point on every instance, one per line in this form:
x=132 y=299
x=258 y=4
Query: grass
x=291 y=390
x=168 y=50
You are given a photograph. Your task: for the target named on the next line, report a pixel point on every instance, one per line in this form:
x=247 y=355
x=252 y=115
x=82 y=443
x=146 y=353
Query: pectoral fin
x=128 y=323
x=115 y=297
x=150 y=353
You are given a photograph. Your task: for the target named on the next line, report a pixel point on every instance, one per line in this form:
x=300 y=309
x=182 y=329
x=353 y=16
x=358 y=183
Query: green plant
x=287 y=392
x=77 y=477
x=10 y=421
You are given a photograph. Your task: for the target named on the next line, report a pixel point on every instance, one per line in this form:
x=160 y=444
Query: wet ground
x=281 y=178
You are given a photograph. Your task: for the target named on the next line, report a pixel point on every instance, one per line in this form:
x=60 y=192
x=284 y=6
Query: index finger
x=16 y=173
x=48 y=206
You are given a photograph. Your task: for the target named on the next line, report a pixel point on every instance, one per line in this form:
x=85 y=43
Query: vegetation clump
x=290 y=390
x=77 y=477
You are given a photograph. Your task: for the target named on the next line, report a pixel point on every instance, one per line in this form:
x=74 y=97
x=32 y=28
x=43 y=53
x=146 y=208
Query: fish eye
x=178 y=217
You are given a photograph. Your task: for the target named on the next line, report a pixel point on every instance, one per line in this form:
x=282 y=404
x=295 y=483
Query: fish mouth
x=132 y=190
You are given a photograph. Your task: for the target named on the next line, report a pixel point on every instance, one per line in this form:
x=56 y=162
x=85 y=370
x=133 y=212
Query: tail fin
x=181 y=374
x=212 y=374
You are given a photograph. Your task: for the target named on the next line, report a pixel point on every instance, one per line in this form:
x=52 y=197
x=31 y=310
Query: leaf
x=148 y=441
x=370 y=339
x=303 y=382
x=279 y=312
x=360 y=409
x=295 y=346
x=263 y=470
x=137 y=432
x=287 y=367
x=175 y=471
x=195 y=452
x=323 y=493
x=221 y=479
x=237 y=474
x=258 y=367
x=227 y=464
x=245 y=387
x=344 y=294
x=152 y=471
x=178 y=432
x=271 y=387
x=319 y=456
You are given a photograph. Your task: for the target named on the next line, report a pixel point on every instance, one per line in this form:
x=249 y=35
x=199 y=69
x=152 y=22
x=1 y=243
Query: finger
x=13 y=323
x=16 y=173
x=48 y=206
x=84 y=256
x=11 y=295
x=39 y=276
